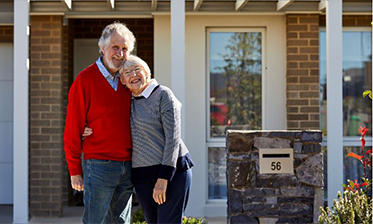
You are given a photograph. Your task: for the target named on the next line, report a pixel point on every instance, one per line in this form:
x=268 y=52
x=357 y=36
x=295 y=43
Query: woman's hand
x=159 y=191
x=87 y=132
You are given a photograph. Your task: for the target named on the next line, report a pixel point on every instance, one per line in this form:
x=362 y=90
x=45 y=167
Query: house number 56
x=276 y=166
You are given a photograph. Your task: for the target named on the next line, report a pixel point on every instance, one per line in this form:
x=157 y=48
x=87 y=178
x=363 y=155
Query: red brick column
x=351 y=20
x=302 y=73
x=46 y=116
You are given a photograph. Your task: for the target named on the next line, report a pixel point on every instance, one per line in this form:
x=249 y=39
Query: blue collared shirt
x=113 y=81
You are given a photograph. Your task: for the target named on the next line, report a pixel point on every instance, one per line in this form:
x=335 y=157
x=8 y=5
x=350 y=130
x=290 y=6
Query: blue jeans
x=177 y=195
x=107 y=191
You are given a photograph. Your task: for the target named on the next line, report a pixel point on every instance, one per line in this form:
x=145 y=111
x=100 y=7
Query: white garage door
x=6 y=123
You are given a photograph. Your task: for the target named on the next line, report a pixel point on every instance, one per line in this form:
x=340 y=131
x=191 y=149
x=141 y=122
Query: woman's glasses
x=136 y=70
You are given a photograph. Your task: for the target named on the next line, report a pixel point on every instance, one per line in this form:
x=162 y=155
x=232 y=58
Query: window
x=357 y=111
x=217 y=168
x=357 y=77
x=234 y=98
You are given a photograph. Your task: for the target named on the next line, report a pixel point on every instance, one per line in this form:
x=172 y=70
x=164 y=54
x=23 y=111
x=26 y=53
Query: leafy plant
x=192 y=220
x=353 y=207
x=139 y=222
x=366 y=159
x=138 y=218
x=367 y=93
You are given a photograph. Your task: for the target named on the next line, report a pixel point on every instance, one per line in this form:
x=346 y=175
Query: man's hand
x=77 y=182
x=159 y=191
x=87 y=132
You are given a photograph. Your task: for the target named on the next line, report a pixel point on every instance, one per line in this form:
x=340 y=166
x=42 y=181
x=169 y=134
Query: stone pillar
x=46 y=127
x=302 y=72
x=274 y=198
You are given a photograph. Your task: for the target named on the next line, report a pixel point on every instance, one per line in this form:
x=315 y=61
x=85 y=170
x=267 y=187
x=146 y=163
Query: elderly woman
x=161 y=162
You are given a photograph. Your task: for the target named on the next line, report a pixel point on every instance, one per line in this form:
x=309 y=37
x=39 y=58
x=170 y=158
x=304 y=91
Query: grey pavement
x=71 y=215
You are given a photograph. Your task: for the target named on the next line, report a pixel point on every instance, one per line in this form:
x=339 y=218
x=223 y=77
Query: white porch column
x=334 y=97
x=21 y=111
x=178 y=55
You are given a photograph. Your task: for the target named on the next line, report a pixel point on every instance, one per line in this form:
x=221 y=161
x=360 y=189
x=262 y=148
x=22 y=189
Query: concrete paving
x=71 y=215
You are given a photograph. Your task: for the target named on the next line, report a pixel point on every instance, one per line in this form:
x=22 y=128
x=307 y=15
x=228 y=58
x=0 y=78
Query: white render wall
x=196 y=80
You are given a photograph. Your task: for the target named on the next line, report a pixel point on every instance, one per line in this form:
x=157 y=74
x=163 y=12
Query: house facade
x=247 y=65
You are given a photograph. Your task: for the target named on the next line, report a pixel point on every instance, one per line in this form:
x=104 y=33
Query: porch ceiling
x=148 y=8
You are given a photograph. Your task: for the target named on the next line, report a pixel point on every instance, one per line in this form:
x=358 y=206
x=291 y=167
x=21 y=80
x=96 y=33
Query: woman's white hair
x=122 y=30
x=133 y=61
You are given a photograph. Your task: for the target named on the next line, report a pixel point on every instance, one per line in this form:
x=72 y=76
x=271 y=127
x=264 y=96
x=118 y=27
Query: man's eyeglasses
x=129 y=72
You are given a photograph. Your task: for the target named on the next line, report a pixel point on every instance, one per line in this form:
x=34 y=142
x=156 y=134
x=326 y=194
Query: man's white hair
x=122 y=30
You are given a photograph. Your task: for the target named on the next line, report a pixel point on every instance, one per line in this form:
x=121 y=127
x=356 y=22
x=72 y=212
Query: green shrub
x=139 y=222
x=192 y=220
x=353 y=207
x=138 y=218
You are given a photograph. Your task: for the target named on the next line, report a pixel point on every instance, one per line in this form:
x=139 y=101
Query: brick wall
x=303 y=66
x=141 y=28
x=351 y=20
x=302 y=73
x=46 y=116
x=6 y=34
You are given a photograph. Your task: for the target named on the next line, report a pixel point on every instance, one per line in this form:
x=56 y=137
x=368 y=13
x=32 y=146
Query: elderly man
x=97 y=101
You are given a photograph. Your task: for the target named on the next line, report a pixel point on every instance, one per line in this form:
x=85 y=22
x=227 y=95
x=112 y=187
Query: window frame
x=219 y=142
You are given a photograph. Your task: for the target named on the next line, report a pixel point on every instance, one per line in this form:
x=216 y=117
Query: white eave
x=240 y=4
x=112 y=4
x=68 y=4
x=154 y=5
x=149 y=8
x=283 y=4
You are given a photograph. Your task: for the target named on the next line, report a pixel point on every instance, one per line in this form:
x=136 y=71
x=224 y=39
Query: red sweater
x=95 y=104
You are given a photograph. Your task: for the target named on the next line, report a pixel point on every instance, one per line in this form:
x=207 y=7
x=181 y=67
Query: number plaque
x=276 y=160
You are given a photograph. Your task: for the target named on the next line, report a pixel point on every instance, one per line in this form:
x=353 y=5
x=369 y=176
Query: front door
x=85 y=53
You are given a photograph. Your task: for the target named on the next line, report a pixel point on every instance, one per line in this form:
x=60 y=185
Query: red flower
x=353 y=155
x=362 y=142
x=369 y=151
x=363 y=131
